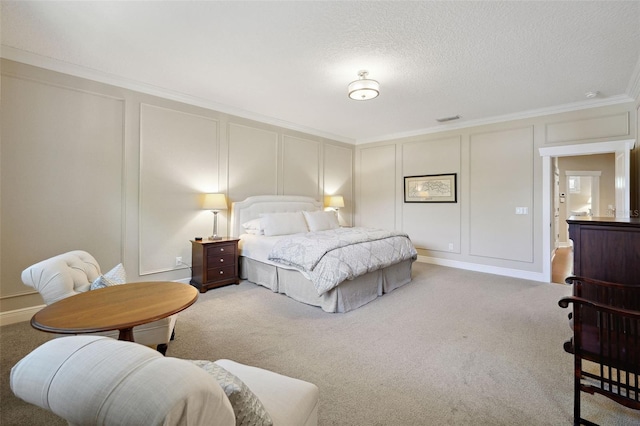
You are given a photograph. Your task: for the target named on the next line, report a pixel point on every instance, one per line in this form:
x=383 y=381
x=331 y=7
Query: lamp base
x=215 y=236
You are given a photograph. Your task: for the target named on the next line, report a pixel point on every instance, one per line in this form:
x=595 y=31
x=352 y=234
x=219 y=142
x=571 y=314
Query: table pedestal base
x=126 y=334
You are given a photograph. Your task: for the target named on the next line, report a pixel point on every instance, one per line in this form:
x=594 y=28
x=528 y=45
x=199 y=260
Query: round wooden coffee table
x=119 y=307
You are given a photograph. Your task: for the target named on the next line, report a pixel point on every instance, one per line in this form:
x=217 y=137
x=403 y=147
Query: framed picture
x=431 y=188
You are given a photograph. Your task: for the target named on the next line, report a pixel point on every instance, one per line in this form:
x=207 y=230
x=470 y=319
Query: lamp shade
x=214 y=202
x=364 y=88
x=336 y=201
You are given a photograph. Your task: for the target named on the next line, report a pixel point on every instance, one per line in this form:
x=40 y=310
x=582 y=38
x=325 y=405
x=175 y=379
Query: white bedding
x=258 y=247
x=327 y=258
x=256 y=267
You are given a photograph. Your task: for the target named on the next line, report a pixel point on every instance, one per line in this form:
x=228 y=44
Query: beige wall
x=119 y=173
x=499 y=169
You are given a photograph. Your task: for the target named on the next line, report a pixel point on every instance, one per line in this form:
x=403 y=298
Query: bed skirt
x=347 y=296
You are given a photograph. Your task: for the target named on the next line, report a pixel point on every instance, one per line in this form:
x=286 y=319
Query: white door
x=623 y=196
x=556 y=206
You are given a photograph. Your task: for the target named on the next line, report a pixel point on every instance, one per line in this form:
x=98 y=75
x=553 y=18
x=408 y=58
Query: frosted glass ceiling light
x=363 y=89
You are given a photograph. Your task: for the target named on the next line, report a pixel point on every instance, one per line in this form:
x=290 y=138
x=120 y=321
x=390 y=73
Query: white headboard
x=252 y=207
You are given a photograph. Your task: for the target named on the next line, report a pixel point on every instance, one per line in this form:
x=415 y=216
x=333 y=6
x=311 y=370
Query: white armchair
x=71 y=273
x=92 y=380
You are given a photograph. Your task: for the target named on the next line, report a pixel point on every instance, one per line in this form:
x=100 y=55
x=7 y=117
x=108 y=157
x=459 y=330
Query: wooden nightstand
x=214 y=263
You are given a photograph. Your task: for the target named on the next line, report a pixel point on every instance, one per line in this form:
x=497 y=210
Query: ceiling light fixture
x=363 y=89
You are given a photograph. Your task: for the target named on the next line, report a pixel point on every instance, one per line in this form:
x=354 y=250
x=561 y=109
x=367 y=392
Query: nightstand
x=214 y=263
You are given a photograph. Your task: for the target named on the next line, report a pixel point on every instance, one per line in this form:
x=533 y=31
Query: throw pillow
x=114 y=277
x=246 y=405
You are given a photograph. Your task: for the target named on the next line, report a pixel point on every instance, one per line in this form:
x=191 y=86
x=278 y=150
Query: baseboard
x=19 y=315
x=508 y=272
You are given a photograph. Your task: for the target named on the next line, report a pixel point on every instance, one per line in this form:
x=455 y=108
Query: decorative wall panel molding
x=178 y=162
x=501 y=208
x=301 y=167
x=585 y=129
x=253 y=161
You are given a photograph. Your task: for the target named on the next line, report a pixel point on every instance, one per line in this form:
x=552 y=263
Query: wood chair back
x=606 y=332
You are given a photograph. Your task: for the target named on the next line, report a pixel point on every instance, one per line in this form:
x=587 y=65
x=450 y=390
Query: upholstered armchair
x=75 y=272
x=92 y=380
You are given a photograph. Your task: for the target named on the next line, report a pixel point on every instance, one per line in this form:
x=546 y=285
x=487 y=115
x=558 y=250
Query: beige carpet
x=453 y=347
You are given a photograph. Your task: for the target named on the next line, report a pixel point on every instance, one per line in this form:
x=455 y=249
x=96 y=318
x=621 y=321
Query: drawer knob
x=221 y=260
x=221 y=273
x=221 y=249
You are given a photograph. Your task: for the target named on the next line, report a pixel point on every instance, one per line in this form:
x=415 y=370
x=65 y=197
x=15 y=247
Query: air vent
x=445 y=119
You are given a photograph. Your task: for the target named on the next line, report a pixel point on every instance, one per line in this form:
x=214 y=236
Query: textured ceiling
x=289 y=63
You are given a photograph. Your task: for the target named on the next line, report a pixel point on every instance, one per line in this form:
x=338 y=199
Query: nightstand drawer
x=223 y=273
x=214 y=260
x=221 y=249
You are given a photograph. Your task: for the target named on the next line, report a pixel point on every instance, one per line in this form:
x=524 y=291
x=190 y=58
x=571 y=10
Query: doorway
x=622 y=150
x=561 y=265
x=582 y=179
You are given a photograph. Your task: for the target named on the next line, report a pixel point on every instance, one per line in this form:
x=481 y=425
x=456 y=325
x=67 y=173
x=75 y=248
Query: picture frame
x=440 y=188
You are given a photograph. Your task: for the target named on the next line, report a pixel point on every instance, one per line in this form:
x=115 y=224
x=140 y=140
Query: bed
x=291 y=278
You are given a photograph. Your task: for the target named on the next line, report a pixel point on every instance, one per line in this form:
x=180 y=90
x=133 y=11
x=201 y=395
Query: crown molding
x=634 y=83
x=52 y=64
x=576 y=106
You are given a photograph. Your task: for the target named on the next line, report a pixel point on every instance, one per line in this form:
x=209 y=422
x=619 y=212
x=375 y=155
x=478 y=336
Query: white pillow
x=115 y=276
x=321 y=221
x=284 y=223
x=253 y=225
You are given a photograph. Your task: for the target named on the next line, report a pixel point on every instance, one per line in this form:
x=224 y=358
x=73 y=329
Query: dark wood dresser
x=606 y=248
x=214 y=263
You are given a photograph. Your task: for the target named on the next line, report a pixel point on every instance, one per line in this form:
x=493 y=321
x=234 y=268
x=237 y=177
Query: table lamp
x=336 y=202
x=215 y=203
